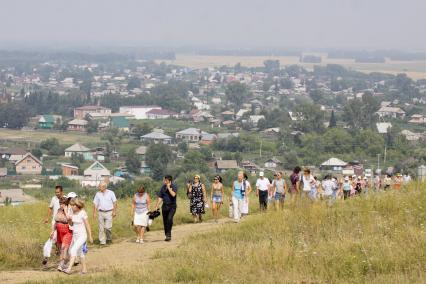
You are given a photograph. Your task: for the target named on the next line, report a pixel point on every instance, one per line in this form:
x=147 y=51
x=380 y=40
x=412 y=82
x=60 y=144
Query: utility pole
x=384 y=158
x=378 y=162
x=260 y=150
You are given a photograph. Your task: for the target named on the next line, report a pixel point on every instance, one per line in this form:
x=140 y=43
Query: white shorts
x=140 y=219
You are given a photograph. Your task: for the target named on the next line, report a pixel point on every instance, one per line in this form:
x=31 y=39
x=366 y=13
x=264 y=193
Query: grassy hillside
x=377 y=239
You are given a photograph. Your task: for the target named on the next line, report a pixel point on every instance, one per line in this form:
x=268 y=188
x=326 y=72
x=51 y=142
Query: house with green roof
x=120 y=122
x=48 y=121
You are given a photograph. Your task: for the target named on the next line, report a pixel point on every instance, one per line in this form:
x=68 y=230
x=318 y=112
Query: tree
x=333 y=122
x=92 y=126
x=360 y=114
x=133 y=83
x=271 y=66
x=133 y=164
x=14 y=115
x=311 y=118
x=236 y=93
x=158 y=156
x=37 y=152
x=194 y=161
x=183 y=147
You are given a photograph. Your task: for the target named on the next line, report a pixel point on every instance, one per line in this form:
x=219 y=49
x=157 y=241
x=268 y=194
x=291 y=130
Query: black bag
x=153 y=214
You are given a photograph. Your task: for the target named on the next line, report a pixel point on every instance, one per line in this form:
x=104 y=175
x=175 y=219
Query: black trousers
x=168 y=211
x=263 y=199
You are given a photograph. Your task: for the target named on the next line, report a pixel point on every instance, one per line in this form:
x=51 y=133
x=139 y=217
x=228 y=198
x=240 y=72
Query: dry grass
x=40 y=135
x=376 y=239
x=414 y=69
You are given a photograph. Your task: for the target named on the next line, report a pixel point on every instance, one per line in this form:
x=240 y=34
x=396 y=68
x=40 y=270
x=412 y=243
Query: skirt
x=140 y=219
x=64 y=234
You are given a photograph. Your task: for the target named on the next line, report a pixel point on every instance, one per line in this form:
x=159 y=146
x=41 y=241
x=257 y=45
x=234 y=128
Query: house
x=141 y=151
x=418 y=119
x=29 y=165
x=254 y=119
x=196 y=115
x=207 y=138
x=139 y=112
x=241 y=113
x=120 y=122
x=272 y=163
x=3 y=172
x=271 y=131
x=295 y=116
x=333 y=164
x=224 y=165
x=157 y=137
x=49 y=121
x=95 y=174
x=77 y=125
x=69 y=170
x=250 y=167
x=393 y=112
x=383 y=127
x=12 y=154
x=79 y=149
x=81 y=112
x=161 y=114
x=412 y=136
x=189 y=135
x=145 y=169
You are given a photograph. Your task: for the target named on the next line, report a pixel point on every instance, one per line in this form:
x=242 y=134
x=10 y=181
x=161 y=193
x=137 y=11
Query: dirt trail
x=124 y=253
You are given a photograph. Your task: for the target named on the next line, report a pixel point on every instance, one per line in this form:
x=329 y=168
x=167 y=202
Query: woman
x=308 y=183
x=246 y=200
x=197 y=194
x=347 y=187
x=295 y=182
x=217 y=196
x=140 y=208
x=279 y=187
x=237 y=196
x=64 y=234
x=80 y=230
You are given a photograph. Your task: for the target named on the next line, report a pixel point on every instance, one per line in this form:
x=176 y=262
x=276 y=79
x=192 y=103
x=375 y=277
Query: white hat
x=346 y=178
x=261 y=174
x=71 y=195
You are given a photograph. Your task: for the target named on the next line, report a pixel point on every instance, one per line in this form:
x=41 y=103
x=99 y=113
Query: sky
x=351 y=24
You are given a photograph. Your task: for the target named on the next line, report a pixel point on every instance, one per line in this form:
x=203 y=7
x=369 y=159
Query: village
x=253 y=119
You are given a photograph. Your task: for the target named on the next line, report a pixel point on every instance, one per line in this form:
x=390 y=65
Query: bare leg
x=83 y=265
x=141 y=233
x=70 y=264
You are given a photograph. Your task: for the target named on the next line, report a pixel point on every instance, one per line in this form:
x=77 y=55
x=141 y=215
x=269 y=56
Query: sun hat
x=346 y=178
x=71 y=195
x=197 y=176
x=261 y=174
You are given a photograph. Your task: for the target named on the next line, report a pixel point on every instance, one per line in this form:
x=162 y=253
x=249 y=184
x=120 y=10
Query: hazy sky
x=216 y=23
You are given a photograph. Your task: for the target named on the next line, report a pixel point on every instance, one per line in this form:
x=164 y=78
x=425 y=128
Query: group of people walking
x=71 y=229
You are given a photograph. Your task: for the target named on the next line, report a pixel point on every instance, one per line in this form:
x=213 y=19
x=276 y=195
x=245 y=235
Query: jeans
x=263 y=199
x=168 y=211
x=237 y=206
x=105 y=226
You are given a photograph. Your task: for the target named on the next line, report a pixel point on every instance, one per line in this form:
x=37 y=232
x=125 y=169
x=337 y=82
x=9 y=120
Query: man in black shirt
x=167 y=195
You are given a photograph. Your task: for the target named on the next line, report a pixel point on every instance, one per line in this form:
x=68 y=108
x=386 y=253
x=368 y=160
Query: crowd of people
x=71 y=229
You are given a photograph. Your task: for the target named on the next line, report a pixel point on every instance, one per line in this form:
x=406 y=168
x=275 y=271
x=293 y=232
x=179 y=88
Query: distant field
x=414 y=69
x=37 y=136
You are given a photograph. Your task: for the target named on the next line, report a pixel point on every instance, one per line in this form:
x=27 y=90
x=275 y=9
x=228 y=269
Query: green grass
x=380 y=238
x=40 y=135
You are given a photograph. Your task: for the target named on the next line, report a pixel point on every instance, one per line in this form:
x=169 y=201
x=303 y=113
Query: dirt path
x=124 y=253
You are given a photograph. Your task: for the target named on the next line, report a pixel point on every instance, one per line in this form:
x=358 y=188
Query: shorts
x=217 y=199
x=140 y=219
x=279 y=196
x=64 y=235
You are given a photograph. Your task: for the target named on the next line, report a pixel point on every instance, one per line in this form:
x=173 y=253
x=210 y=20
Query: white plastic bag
x=47 y=249
x=231 y=211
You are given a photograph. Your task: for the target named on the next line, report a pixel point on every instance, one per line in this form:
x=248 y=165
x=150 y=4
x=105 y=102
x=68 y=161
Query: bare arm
x=114 y=211
x=49 y=214
x=203 y=188
x=133 y=206
x=170 y=189
x=148 y=201
x=88 y=229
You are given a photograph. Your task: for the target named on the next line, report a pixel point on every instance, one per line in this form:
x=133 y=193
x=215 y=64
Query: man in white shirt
x=262 y=191
x=105 y=203
x=308 y=182
x=54 y=205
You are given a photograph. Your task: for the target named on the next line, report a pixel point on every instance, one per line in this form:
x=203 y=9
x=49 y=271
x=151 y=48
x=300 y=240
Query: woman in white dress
x=140 y=208
x=247 y=189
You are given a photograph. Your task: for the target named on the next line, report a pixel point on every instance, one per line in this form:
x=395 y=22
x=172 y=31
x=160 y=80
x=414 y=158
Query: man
x=329 y=187
x=262 y=191
x=105 y=203
x=167 y=196
x=308 y=182
x=54 y=205
x=295 y=182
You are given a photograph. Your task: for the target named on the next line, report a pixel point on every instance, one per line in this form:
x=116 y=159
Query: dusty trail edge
x=121 y=254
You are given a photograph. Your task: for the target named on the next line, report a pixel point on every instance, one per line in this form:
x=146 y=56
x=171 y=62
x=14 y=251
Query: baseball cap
x=261 y=174
x=71 y=195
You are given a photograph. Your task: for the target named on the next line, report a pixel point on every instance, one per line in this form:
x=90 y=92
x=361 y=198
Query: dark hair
x=59 y=187
x=306 y=170
x=297 y=170
x=219 y=178
x=63 y=200
x=168 y=177
x=245 y=176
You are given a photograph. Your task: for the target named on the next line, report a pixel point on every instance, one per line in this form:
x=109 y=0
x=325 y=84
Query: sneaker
x=60 y=268
x=141 y=241
x=44 y=262
x=168 y=239
x=67 y=271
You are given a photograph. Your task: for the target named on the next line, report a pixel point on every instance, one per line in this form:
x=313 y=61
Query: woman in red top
x=64 y=234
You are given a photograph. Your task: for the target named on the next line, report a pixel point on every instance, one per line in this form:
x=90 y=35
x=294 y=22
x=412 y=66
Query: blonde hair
x=77 y=202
